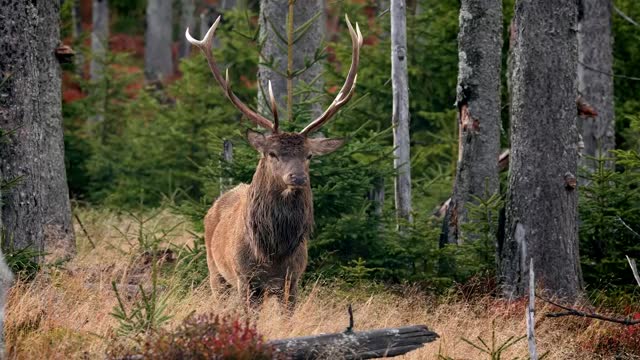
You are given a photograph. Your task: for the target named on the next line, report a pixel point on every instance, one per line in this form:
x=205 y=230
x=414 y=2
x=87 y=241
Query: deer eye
x=273 y=155
x=309 y=157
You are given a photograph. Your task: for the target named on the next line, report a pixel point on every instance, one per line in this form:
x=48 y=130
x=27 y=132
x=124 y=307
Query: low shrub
x=200 y=337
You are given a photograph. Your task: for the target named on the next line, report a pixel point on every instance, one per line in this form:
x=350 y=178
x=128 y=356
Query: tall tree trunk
x=230 y=4
x=478 y=102
x=36 y=212
x=273 y=18
x=158 y=61
x=187 y=20
x=400 y=116
x=99 y=38
x=99 y=46
x=541 y=213
x=595 y=83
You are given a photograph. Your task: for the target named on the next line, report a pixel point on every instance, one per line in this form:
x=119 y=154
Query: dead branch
x=573 y=312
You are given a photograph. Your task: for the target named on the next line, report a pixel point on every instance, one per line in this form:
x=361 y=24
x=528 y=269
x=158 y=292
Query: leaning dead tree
x=355 y=345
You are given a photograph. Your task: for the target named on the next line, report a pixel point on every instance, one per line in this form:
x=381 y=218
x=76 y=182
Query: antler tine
x=347 y=90
x=274 y=108
x=205 y=45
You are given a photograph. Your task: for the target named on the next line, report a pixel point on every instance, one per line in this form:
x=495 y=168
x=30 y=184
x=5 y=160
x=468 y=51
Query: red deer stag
x=256 y=234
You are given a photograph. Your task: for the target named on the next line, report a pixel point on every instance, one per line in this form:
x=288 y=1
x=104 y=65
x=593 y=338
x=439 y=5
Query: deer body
x=256 y=235
x=234 y=255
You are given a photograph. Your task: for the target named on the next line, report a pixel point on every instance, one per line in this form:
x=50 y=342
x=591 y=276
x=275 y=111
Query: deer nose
x=297 y=179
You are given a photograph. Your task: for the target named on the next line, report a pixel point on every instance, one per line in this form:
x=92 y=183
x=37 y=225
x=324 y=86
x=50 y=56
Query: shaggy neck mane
x=278 y=219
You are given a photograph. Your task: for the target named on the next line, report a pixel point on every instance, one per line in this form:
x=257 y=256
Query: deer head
x=286 y=155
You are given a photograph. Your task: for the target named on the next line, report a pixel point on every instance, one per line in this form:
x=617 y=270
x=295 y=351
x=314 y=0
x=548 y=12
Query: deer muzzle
x=296 y=180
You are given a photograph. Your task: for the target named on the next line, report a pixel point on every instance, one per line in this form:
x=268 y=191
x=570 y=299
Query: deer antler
x=205 y=45
x=349 y=86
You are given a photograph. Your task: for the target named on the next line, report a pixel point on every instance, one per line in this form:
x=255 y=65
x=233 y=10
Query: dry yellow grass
x=64 y=313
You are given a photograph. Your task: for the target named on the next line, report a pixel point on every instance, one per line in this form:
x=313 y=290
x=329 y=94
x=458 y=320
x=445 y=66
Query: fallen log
x=355 y=345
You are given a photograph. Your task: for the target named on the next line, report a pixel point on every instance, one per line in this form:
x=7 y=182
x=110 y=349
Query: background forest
x=161 y=145
x=151 y=141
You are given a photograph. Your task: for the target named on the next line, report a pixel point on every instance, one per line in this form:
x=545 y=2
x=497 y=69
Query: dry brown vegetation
x=65 y=312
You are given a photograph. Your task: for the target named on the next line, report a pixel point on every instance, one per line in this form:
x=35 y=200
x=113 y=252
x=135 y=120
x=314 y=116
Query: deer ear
x=257 y=140
x=324 y=146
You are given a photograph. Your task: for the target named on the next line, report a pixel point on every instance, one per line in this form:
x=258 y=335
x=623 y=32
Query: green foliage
x=610 y=221
x=201 y=337
x=476 y=255
x=147 y=240
x=22 y=261
x=191 y=265
x=494 y=350
x=147 y=313
x=158 y=146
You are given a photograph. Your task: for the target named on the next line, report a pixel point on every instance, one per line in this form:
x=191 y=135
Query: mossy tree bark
x=478 y=102
x=36 y=210
x=541 y=212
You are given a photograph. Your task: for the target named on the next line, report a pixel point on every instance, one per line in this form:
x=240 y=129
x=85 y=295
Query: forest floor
x=64 y=313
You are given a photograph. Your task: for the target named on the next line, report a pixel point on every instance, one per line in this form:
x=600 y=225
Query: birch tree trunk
x=187 y=20
x=541 y=212
x=36 y=211
x=478 y=102
x=400 y=115
x=595 y=83
x=273 y=18
x=158 y=61
x=99 y=38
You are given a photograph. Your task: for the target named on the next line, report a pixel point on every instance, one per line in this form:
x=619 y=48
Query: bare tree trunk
x=230 y=4
x=400 y=116
x=478 y=102
x=541 y=213
x=187 y=20
x=99 y=38
x=273 y=18
x=595 y=84
x=158 y=61
x=99 y=46
x=36 y=211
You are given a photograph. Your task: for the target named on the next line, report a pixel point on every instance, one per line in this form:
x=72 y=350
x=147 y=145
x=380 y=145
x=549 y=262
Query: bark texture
x=99 y=38
x=595 y=83
x=400 y=115
x=187 y=20
x=273 y=18
x=158 y=61
x=478 y=102
x=35 y=212
x=541 y=213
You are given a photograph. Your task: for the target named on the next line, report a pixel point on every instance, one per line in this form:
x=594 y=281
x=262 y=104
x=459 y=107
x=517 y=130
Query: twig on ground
x=93 y=245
